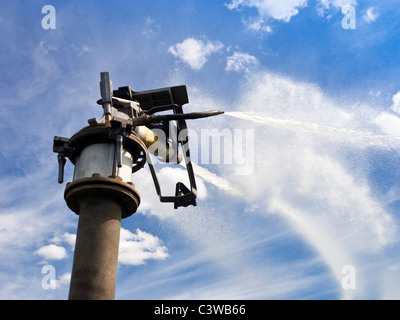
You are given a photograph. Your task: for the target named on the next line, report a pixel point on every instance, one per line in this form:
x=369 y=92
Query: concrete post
x=94 y=270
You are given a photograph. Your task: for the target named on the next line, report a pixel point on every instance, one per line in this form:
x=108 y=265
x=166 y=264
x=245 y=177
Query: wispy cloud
x=241 y=61
x=268 y=10
x=327 y=6
x=370 y=15
x=282 y=10
x=396 y=103
x=151 y=27
x=195 y=52
x=257 y=24
x=66 y=237
x=275 y=9
x=336 y=4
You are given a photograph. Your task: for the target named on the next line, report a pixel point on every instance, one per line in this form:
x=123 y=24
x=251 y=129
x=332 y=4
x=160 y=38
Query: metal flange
x=124 y=193
x=100 y=134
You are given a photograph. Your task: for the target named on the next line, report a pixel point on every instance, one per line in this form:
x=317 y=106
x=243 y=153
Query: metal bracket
x=61 y=146
x=183 y=195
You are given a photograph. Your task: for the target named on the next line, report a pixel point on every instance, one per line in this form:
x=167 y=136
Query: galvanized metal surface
x=99 y=158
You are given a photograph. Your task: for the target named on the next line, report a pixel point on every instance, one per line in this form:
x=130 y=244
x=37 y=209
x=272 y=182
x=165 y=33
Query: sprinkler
x=121 y=141
x=134 y=126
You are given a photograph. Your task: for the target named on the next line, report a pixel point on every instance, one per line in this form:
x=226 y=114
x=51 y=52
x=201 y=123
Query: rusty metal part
x=94 y=270
x=125 y=193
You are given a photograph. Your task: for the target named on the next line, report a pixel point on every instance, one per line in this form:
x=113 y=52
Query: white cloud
x=396 y=103
x=284 y=10
x=328 y=5
x=370 y=15
x=47 y=47
x=336 y=4
x=63 y=280
x=66 y=237
x=69 y=238
x=151 y=28
x=136 y=248
x=258 y=25
x=389 y=124
x=275 y=9
x=240 y=61
x=195 y=52
x=80 y=49
x=52 y=252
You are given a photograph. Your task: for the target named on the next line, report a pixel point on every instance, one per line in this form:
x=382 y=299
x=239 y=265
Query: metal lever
x=118 y=151
x=62 y=148
x=61 y=164
x=106 y=92
x=117 y=155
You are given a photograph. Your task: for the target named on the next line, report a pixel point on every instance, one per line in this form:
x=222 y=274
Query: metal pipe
x=148 y=119
x=94 y=270
x=106 y=92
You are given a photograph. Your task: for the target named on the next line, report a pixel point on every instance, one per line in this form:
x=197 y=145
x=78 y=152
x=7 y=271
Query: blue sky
x=318 y=103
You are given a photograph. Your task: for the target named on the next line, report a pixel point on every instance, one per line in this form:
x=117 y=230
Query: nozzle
x=204 y=114
x=148 y=119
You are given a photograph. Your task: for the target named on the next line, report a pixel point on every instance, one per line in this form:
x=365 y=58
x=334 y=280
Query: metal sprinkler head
x=109 y=150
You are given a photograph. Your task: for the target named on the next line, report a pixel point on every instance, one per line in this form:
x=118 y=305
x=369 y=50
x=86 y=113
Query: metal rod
x=61 y=164
x=106 y=92
x=118 y=150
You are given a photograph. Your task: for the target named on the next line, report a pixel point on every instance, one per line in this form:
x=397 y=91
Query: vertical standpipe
x=94 y=270
x=102 y=194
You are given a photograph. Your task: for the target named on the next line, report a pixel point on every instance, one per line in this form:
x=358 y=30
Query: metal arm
x=149 y=119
